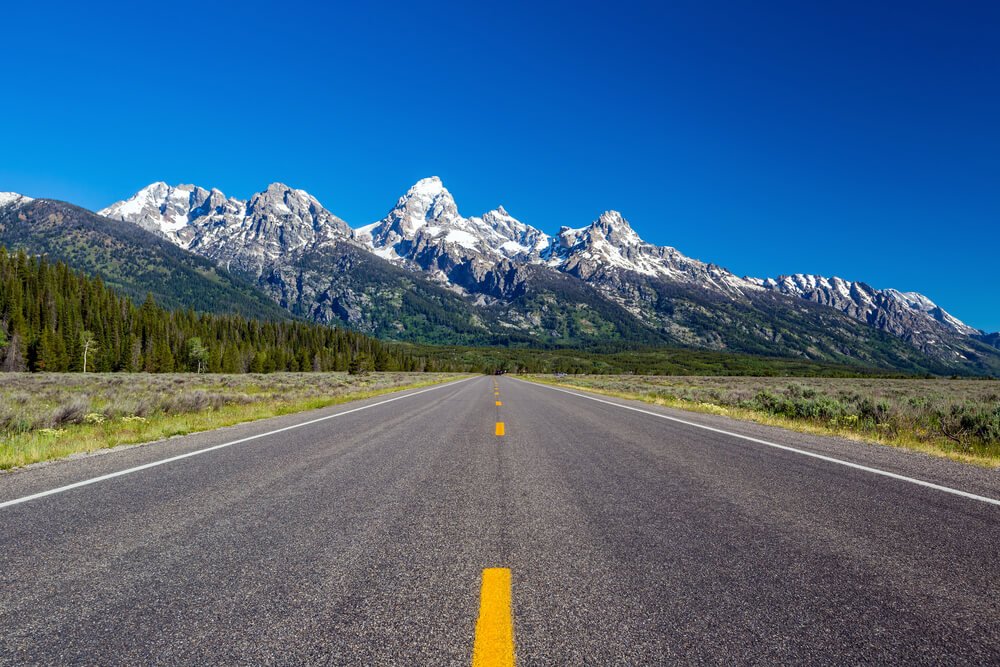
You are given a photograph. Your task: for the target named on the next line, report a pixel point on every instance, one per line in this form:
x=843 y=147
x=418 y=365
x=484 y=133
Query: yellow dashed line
x=499 y=404
x=500 y=428
x=494 y=645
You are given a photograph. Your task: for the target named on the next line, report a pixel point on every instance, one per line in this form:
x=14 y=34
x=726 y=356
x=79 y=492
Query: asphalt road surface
x=403 y=530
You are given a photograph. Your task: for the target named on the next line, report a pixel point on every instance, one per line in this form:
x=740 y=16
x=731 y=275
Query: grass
x=957 y=419
x=50 y=416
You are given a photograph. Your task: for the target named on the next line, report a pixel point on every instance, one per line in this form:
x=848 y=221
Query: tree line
x=53 y=318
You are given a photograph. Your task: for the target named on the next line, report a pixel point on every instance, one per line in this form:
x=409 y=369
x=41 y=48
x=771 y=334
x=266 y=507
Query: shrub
x=70 y=412
x=967 y=424
x=191 y=401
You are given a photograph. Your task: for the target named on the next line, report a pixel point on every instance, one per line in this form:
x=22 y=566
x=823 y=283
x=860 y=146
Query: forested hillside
x=129 y=259
x=55 y=319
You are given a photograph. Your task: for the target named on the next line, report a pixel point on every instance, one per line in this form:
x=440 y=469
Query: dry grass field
x=50 y=415
x=959 y=419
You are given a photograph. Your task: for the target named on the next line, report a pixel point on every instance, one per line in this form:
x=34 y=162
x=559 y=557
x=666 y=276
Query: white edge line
x=830 y=459
x=153 y=464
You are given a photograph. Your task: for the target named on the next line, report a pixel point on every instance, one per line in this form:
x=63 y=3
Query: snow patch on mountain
x=487 y=256
x=906 y=314
x=243 y=235
x=13 y=199
x=610 y=243
x=425 y=226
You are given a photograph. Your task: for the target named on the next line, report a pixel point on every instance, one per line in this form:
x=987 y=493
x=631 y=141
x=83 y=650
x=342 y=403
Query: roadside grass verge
x=51 y=416
x=955 y=419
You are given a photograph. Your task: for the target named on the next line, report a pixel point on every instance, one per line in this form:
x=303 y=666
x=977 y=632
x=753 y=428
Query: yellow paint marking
x=499 y=404
x=500 y=428
x=494 y=645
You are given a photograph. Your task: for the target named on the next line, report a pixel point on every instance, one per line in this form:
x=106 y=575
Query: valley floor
x=45 y=416
x=957 y=419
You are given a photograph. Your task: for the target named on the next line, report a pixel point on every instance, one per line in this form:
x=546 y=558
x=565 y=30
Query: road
x=380 y=532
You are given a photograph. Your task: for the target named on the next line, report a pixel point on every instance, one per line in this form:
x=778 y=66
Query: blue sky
x=857 y=139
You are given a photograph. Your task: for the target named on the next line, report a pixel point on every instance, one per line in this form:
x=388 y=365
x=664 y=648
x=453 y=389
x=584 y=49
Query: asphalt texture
x=631 y=540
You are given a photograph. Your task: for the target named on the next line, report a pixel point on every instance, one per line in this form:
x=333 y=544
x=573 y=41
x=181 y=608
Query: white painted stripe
x=822 y=457
x=146 y=466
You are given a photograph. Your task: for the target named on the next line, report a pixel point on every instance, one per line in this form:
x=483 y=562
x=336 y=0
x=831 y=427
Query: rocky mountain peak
x=616 y=229
x=427 y=201
x=283 y=219
x=487 y=258
x=241 y=235
x=430 y=186
x=163 y=209
x=424 y=211
x=282 y=201
x=908 y=315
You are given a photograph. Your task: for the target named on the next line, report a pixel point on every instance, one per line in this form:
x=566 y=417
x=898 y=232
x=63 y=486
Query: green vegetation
x=53 y=319
x=50 y=415
x=959 y=419
x=601 y=360
x=345 y=283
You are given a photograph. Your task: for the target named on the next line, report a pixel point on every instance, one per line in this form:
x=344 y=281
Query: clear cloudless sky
x=859 y=139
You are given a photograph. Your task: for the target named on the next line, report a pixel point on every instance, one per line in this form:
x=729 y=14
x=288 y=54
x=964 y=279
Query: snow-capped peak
x=616 y=229
x=427 y=207
x=512 y=237
x=610 y=240
x=865 y=302
x=429 y=187
x=921 y=303
x=242 y=235
x=281 y=199
x=162 y=208
x=293 y=209
x=13 y=199
x=425 y=228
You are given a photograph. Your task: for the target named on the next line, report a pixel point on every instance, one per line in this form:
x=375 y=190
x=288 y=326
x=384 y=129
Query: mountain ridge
x=129 y=258
x=504 y=276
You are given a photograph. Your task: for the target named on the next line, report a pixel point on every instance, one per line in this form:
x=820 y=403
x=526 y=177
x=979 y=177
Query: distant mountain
x=128 y=258
x=708 y=306
x=672 y=297
x=493 y=278
x=425 y=224
x=310 y=262
x=244 y=236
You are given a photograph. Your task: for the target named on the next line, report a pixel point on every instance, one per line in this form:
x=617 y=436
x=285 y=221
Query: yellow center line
x=494 y=645
x=499 y=404
x=500 y=428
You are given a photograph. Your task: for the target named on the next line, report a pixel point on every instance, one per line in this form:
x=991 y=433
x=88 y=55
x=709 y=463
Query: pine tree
x=54 y=319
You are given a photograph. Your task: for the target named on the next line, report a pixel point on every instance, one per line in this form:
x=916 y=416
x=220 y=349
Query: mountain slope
x=664 y=294
x=304 y=258
x=46 y=307
x=308 y=261
x=425 y=272
x=705 y=305
x=128 y=258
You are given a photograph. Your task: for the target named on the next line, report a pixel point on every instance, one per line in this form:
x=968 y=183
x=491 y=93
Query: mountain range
x=426 y=273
